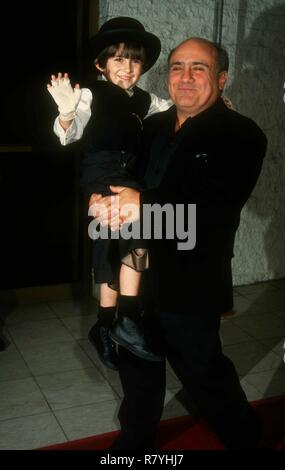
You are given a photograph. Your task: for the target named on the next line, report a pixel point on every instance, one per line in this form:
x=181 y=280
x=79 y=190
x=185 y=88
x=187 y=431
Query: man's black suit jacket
x=214 y=161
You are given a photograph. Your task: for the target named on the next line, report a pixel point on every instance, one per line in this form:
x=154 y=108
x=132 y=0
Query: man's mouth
x=186 y=88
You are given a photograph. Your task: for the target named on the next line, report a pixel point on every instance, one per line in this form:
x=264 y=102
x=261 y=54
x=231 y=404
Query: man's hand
x=115 y=210
x=66 y=97
x=128 y=203
x=105 y=210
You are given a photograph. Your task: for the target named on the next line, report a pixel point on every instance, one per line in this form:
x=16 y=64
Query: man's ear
x=223 y=76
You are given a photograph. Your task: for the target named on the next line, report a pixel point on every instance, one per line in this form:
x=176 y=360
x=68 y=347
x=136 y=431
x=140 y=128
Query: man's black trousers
x=193 y=349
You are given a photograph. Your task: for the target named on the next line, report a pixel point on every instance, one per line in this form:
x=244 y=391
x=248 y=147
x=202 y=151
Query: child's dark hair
x=128 y=50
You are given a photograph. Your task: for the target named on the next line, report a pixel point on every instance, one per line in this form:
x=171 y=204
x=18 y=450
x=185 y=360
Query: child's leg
x=99 y=333
x=128 y=331
x=108 y=296
x=107 y=305
x=129 y=301
x=129 y=281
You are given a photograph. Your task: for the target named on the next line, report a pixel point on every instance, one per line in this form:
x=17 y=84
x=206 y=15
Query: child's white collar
x=129 y=92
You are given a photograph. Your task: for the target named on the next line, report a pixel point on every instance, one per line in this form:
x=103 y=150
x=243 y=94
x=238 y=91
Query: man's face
x=194 y=83
x=122 y=71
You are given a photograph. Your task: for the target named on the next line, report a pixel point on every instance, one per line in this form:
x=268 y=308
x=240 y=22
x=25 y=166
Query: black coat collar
x=209 y=113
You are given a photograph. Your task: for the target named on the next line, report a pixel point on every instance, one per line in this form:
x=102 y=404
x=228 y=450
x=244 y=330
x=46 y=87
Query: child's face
x=122 y=71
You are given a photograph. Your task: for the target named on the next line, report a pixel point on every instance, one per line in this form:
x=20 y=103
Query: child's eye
x=118 y=59
x=137 y=61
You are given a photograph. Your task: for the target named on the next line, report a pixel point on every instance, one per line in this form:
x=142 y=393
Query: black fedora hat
x=122 y=29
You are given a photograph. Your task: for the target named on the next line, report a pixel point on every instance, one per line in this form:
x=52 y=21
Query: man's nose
x=187 y=74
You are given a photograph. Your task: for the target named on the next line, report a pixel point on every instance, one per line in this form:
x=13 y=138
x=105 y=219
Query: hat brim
x=149 y=41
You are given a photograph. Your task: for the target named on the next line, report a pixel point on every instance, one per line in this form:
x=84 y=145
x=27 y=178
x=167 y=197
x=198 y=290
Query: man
x=201 y=153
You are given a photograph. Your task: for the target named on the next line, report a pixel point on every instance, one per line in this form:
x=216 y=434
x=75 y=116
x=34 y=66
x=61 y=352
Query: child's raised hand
x=66 y=97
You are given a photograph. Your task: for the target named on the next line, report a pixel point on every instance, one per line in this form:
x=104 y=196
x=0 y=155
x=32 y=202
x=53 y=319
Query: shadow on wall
x=156 y=79
x=257 y=91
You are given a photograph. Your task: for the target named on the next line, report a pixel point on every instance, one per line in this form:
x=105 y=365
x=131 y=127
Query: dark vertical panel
x=39 y=198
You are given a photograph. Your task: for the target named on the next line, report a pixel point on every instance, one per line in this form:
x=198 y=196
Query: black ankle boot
x=130 y=333
x=100 y=338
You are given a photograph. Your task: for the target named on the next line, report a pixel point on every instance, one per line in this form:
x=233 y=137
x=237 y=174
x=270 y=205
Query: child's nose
x=128 y=65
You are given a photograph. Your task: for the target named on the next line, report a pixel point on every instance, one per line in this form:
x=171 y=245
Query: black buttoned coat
x=112 y=138
x=111 y=142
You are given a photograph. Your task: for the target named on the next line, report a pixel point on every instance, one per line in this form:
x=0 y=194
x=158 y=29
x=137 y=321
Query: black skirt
x=109 y=255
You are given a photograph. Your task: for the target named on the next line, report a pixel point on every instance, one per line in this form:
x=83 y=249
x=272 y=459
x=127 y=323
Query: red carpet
x=184 y=433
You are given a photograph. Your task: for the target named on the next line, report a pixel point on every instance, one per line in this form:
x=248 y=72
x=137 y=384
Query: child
x=123 y=51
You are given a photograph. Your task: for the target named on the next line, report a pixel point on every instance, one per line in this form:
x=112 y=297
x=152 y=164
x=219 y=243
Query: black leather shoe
x=100 y=338
x=131 y=335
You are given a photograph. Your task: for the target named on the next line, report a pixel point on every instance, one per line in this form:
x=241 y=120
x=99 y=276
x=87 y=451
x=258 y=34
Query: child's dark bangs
x=129 y=51
x=133 y=51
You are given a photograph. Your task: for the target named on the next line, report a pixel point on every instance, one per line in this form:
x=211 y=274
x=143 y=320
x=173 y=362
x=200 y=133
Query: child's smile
x=123 y=71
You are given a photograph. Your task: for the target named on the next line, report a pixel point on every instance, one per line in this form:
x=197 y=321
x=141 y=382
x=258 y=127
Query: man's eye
x=198 y=68
x=176 y=68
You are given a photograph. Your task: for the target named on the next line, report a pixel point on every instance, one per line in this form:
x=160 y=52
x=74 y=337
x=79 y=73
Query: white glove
x=66 y=97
